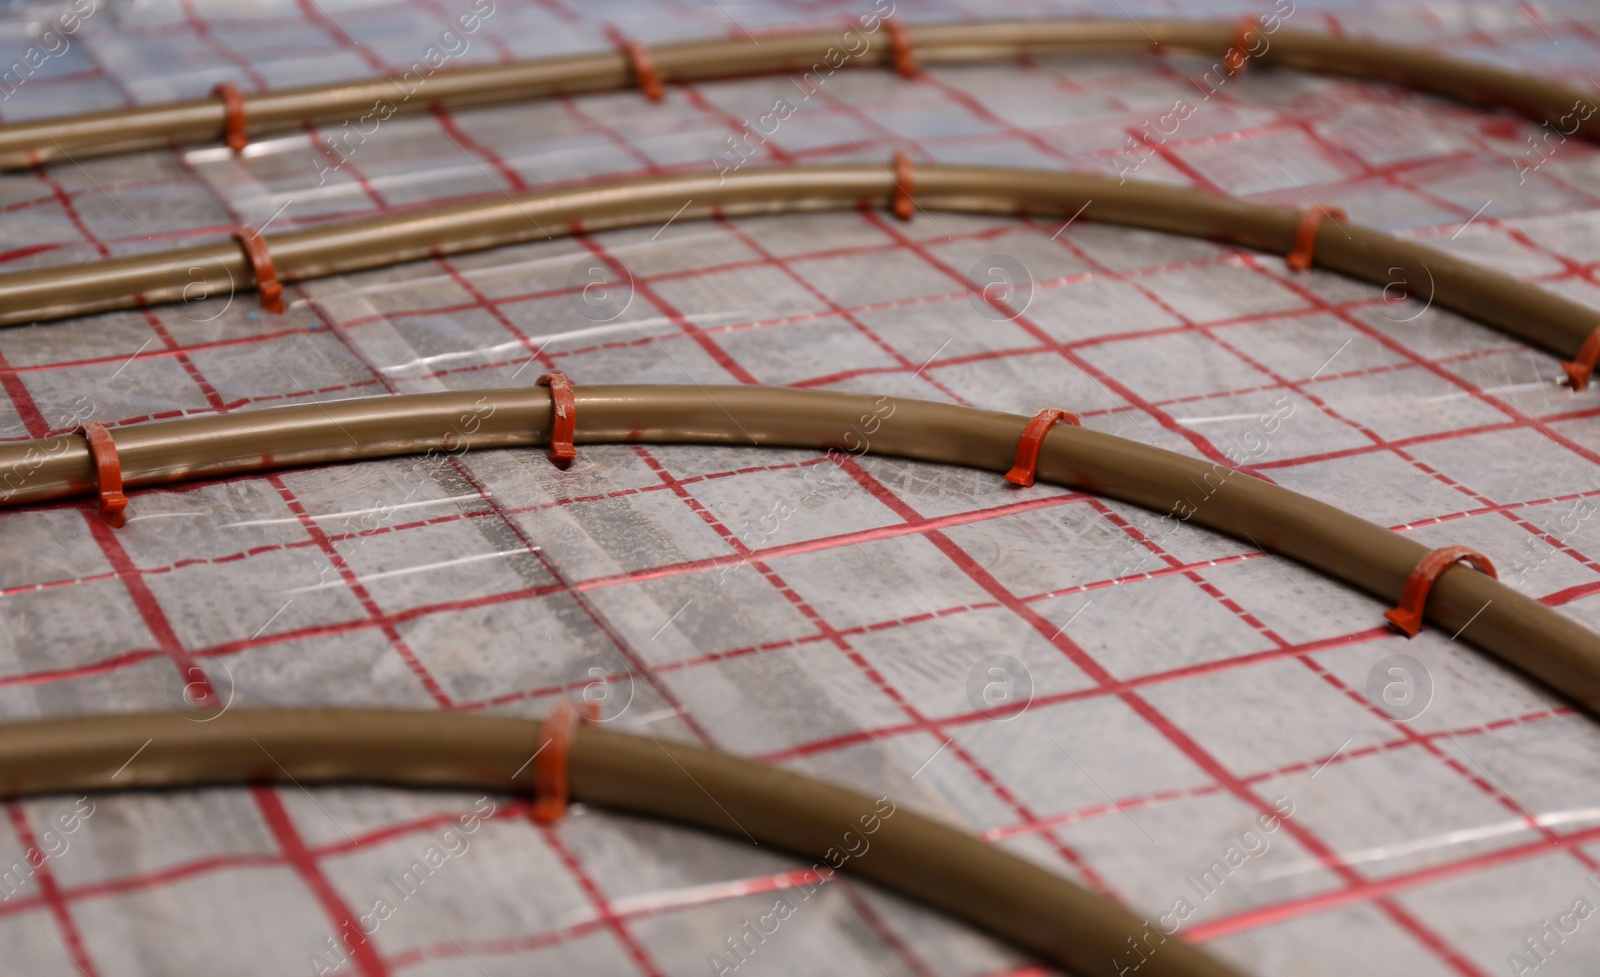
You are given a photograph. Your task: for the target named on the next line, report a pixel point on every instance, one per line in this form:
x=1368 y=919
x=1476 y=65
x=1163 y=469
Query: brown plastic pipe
x=1516 y=629
x=919 y=858
x=367 y=102
x=1527 y=312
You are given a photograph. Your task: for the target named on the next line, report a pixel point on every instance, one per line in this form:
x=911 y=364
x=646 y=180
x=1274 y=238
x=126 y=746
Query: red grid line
x=347 y=927
x=1223 y=781
x=50 y=891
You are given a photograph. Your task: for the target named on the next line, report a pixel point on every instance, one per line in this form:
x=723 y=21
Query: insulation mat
x=860 y=623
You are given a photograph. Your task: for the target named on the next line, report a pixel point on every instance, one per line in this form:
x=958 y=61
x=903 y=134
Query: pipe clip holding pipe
x=1414 y=596
x=1305 y=235
x=905 y=187
x=1027 y=460
x=1581 y=366
x=107 y=471
x=550 y=759
x=563 y=419
x=232 y=116
x=261 y=267
x=900 y=53
x=643 y=68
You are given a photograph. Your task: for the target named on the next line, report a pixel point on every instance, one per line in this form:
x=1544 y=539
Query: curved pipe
x=1527 y=312
x=24 y=144
x=919 y=858
x=1514 y=628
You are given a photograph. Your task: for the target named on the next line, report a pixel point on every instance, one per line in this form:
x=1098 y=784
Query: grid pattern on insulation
x=1183 y=684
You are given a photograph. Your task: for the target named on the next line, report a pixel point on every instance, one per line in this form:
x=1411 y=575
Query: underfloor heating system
x=799 y=488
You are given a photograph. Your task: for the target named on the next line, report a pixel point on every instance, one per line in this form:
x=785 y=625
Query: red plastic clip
x=1305 y=236
x=1032 y=440
x=255 y=252
x=563 y=419
x=108 y=472
x=905 y=187
x=902 y=57
x=1408 y=616
x=550 y=760
x=1238 y=55
x=644 y=69
x=1579 y=368
x=232 y=116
